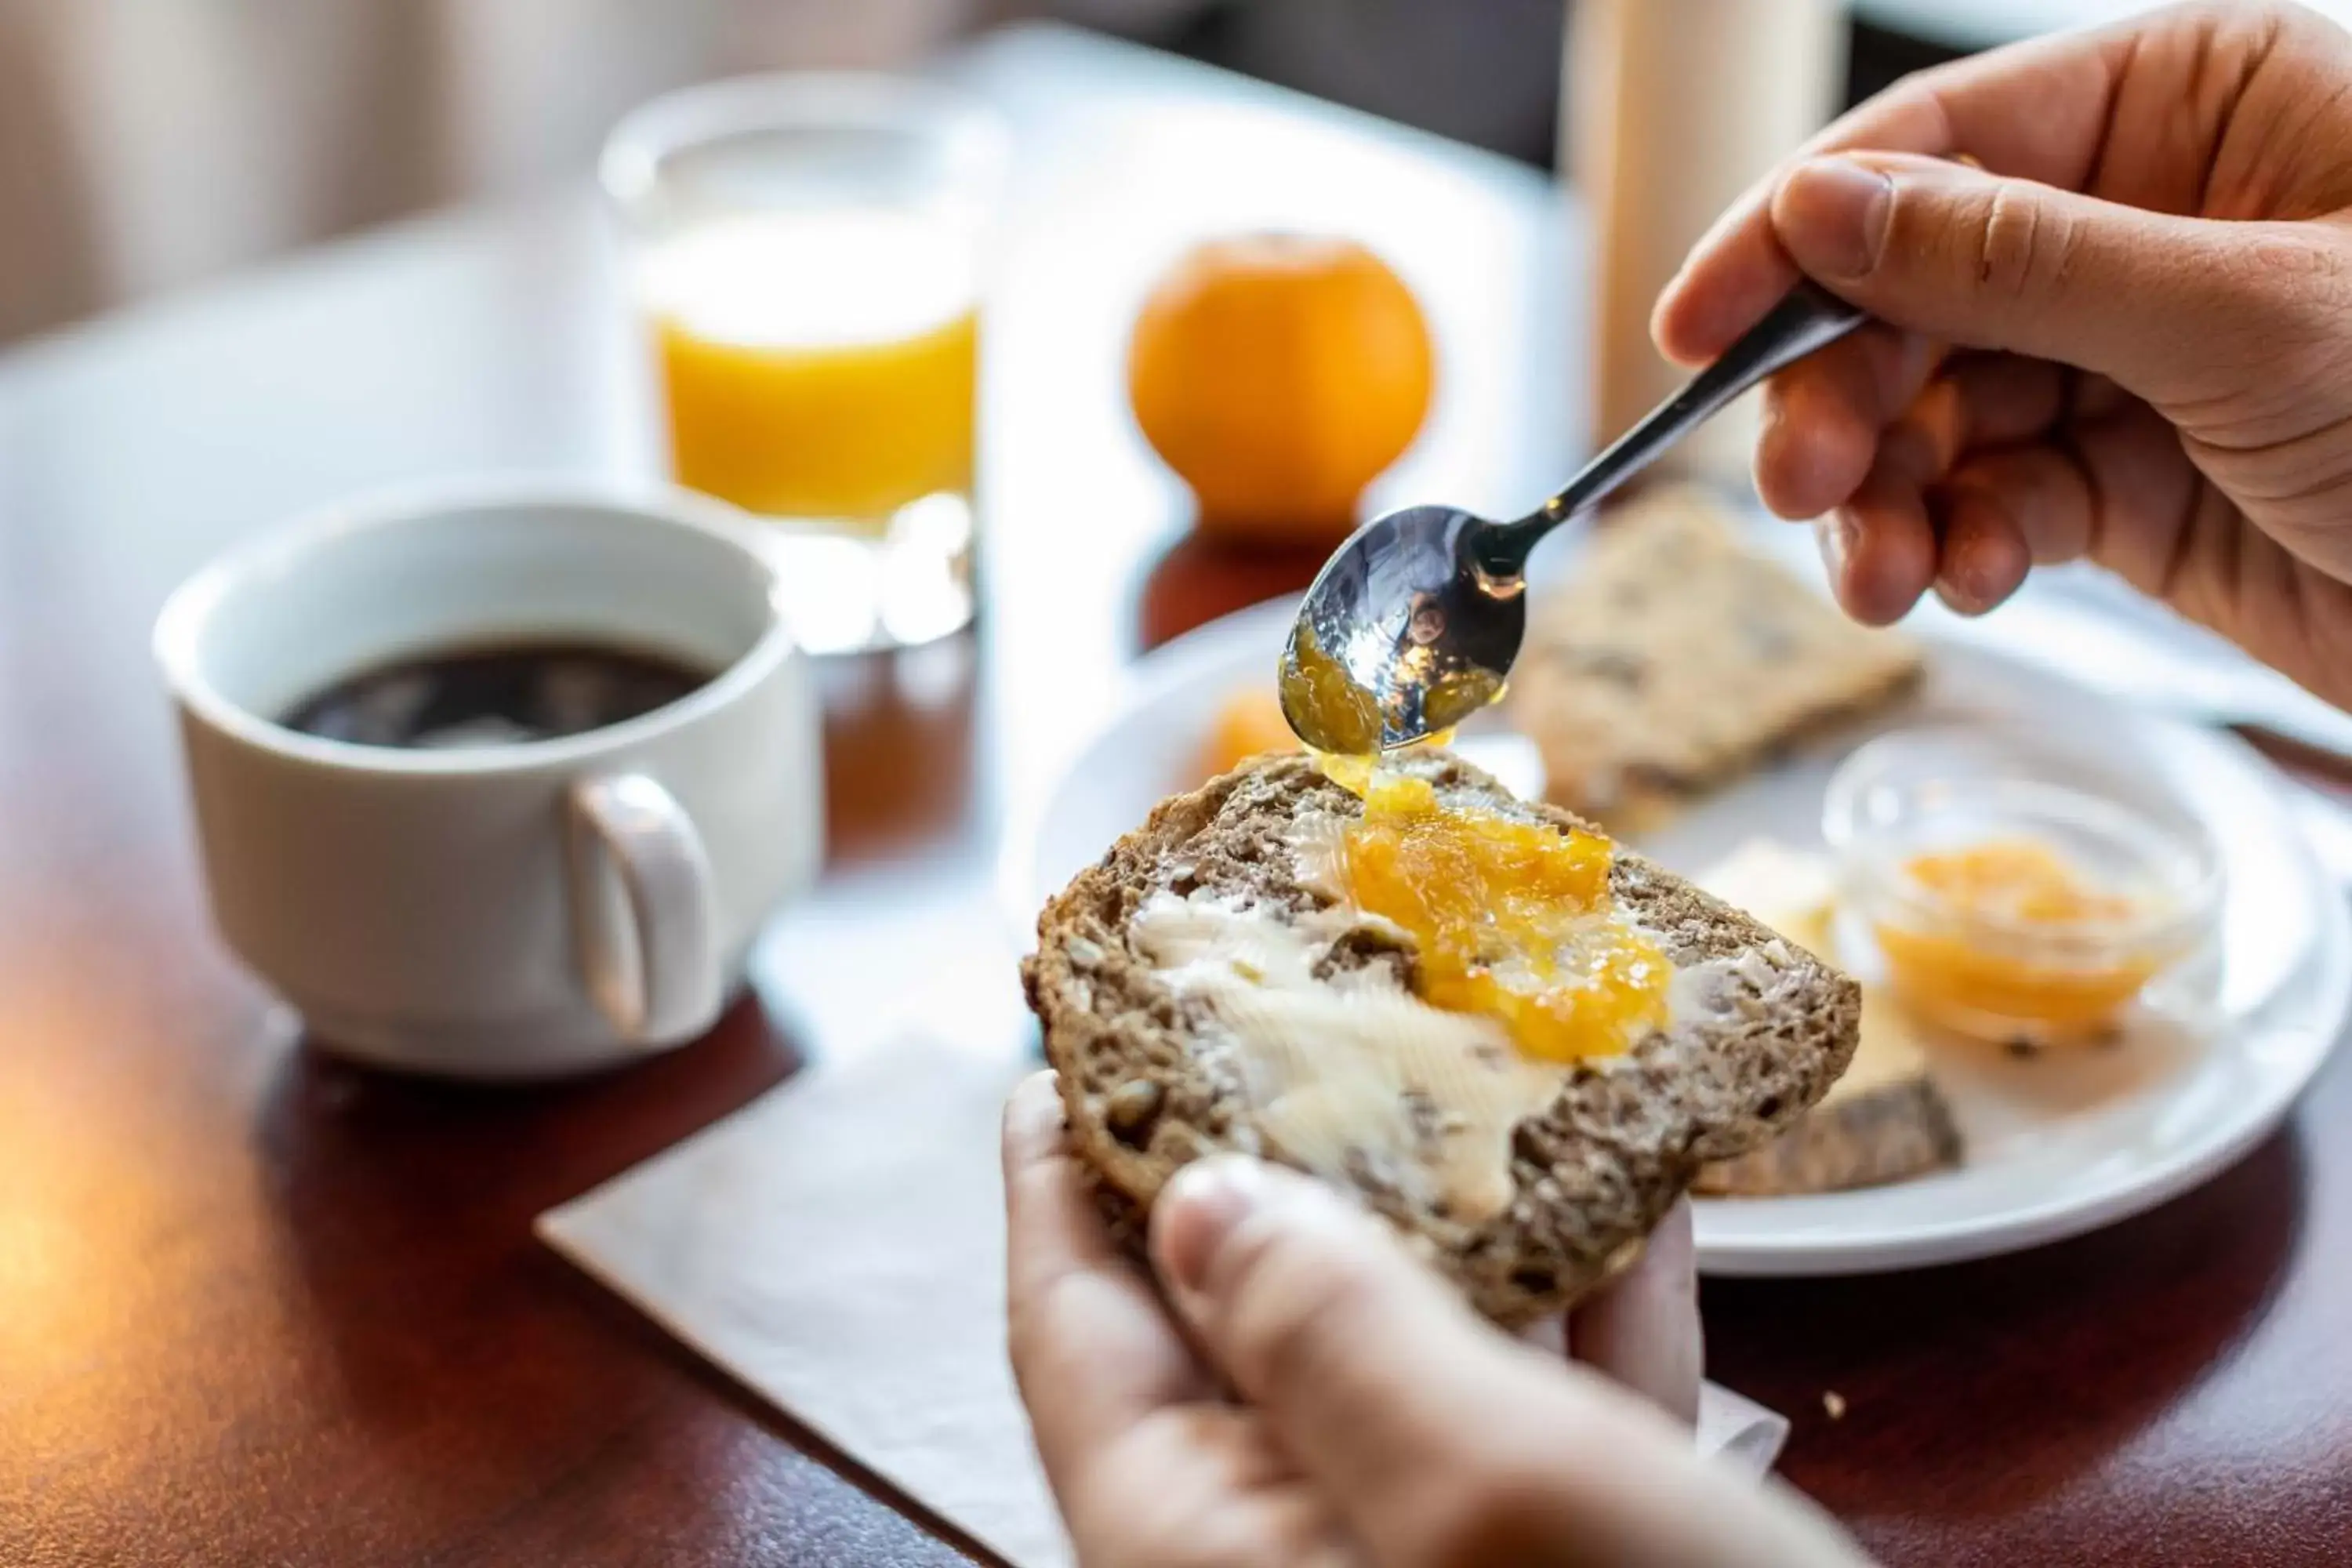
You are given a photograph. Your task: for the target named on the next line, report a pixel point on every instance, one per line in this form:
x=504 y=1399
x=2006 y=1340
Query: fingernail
x=1966 y=577
x=1658 y=309
x=1833 y=215
x=1967 y=588
x=1197 y=1210
x=1836 y=535
x=1035 y=1108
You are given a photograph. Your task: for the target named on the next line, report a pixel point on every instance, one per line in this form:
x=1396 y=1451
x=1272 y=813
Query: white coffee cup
x=511 y=909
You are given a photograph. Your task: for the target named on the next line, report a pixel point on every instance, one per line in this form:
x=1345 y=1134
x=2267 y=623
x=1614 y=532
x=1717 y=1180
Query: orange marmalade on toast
x=1511 y=917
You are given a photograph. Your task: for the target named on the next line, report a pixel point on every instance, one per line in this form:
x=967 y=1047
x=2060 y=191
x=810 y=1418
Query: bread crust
x=1591 y=1175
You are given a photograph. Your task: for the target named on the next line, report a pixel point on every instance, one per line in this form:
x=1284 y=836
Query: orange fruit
x=1279 y=374
x=1250 y=724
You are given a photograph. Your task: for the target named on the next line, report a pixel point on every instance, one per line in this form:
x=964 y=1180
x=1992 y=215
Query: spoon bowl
x=1403 y=635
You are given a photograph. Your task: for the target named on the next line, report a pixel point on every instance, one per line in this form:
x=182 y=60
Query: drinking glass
x=807 y=252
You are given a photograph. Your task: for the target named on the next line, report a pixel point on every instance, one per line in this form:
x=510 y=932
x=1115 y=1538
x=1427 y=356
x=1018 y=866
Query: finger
x=2160 y=526
x=2116 y=486
x=1920 y=451
x=2147 y=525
x=1982 y=400
x=2037 y=492
x=1982 y=557
x=1823 y=417
x=2006 y=398
x=1880 y=548
x=1360 y=1356
x=1375 y=1376
x=1092 y=1349
x=1921 y=447
x=1643 y=1329
x=1895 y=537
x=2035 y=110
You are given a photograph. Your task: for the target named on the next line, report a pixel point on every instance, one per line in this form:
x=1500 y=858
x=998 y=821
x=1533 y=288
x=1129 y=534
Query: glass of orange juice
x=808 y=251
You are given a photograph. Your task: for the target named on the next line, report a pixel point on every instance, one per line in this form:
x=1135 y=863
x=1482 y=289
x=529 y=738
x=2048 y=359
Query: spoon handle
x=1808 y=317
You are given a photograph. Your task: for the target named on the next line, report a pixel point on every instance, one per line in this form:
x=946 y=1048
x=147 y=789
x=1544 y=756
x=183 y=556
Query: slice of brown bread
x=1157 y=1069
x=1675 y=658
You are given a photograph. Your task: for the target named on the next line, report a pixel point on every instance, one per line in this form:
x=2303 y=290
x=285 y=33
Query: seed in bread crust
x=1131 y=1109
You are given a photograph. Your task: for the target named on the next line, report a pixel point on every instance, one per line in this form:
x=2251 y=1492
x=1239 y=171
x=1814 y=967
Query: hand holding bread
x=1377 y=1420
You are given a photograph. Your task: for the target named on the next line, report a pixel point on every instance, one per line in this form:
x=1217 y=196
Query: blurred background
x=145 y=144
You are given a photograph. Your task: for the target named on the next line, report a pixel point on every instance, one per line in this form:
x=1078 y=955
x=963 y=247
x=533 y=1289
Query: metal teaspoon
x=1414 y=623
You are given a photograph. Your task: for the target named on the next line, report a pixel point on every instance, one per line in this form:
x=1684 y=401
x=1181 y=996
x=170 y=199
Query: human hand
x=1370 y=1419
x=2127 y=336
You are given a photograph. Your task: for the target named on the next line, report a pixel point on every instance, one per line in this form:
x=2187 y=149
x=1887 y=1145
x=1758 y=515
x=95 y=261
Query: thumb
x=2165 y=306
x=1437 y=1438
x=1379 y=1383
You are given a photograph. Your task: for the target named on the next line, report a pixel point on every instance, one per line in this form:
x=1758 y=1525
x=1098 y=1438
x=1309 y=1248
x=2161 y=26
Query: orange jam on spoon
x=1512 y=918
x=1336 y=710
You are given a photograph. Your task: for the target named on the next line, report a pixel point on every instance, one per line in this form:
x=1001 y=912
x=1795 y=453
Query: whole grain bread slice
x=1590 y=1174
x=1676 y=657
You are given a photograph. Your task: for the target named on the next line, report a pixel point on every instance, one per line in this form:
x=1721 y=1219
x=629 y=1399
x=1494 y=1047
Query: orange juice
x=818 y=364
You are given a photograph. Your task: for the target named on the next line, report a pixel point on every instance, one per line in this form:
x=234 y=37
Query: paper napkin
x=838 y=1245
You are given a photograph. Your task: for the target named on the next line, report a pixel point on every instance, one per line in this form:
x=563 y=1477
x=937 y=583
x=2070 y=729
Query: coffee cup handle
x=650 y=955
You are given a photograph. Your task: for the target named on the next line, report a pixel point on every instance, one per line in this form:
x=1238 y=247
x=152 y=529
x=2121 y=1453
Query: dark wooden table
x=257 y=1307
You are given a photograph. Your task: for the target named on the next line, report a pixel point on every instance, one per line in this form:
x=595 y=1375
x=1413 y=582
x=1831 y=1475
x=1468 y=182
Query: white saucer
x=2057 y=1144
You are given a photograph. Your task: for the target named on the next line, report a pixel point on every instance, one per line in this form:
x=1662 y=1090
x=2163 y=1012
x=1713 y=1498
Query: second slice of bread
x=1675 y=658
x=1761 y=1030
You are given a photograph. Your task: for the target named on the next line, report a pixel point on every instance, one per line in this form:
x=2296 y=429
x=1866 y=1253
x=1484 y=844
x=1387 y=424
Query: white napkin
x=838 y=1245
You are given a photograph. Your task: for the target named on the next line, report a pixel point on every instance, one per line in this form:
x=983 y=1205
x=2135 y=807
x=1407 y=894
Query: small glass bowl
x=2150 y=870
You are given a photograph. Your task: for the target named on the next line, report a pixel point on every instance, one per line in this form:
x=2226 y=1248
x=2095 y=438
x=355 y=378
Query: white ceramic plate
x=2057 y=1144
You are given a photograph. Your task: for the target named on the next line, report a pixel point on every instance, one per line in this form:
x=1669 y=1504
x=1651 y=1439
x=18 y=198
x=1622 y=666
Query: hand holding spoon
x=1412 y=626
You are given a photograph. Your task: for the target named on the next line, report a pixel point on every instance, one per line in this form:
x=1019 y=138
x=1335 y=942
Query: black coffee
x=495 y=696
